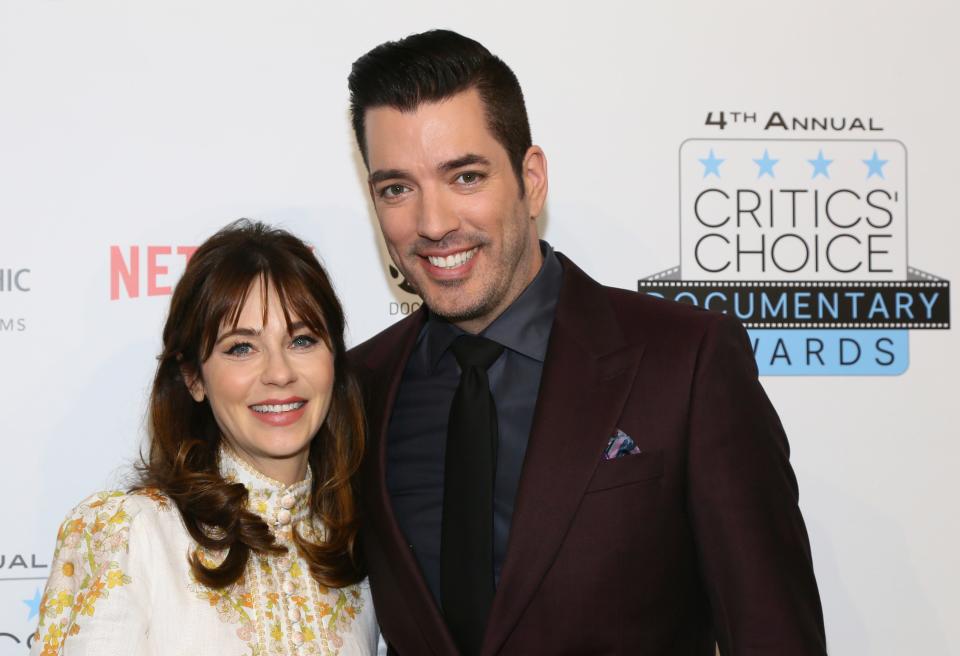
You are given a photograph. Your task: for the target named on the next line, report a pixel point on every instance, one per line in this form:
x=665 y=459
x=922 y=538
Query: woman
x=240 y=536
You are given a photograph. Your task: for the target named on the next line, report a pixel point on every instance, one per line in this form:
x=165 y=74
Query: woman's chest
x=275 y=608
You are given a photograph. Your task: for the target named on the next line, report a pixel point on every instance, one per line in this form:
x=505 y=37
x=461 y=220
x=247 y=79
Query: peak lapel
x=586 y=379
x=384 y=366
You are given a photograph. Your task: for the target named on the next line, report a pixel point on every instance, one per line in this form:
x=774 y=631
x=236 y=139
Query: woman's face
x=269 y=389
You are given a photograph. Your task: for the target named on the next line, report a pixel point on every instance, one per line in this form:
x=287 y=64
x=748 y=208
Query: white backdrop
x=141 y=127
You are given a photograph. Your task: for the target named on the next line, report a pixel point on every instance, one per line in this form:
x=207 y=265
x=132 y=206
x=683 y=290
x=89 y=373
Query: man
x=554 y=466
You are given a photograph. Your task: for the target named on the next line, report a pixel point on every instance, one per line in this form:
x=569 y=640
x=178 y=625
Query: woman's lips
x=283 y=418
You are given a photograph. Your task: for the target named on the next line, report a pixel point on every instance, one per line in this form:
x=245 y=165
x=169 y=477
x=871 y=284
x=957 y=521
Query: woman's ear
x=193 y=383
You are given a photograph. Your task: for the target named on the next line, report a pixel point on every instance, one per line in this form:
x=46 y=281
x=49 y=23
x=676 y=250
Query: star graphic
x=711 y=165
x=766 y=164
x=33 y=604
x=820 y=165
x=875 y=165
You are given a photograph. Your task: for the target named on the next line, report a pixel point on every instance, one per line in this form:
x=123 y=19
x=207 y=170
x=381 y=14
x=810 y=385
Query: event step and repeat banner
x=794 y=166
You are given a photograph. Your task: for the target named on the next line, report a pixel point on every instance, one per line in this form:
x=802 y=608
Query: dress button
x=297 y=638
x=288 y=587
x=293 y=614
x=287 y=501
x=284 y=516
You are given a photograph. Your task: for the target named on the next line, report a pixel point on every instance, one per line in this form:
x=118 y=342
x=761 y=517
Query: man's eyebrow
x=444 y=167
x=387 y=174
x=466 y=160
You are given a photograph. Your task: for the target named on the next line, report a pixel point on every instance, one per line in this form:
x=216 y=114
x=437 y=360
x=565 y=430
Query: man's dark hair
x=435 y=65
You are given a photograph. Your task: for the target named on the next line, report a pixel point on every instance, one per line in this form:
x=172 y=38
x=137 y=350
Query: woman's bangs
x=225 y=296
x=298 y=303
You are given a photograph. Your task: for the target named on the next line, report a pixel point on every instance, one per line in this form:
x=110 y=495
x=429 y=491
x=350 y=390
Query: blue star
x=875 y=165
x=33 y=604
x=711 y=165
x=766 y=164
x=820 y=165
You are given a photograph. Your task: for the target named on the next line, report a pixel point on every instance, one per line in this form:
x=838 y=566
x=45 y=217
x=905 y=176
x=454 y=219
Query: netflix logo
x=137 y=271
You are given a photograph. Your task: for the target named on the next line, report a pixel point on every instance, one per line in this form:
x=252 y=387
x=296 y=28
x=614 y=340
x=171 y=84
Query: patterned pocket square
x=620 y=445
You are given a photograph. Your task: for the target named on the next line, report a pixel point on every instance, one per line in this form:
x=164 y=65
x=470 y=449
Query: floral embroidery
x=158 y=497
x=288 y=611
x=276 y=607
x=231 y=603
x=85 y=567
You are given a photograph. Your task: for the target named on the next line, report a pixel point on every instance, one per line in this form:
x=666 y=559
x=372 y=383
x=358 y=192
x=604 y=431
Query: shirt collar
x=523 y=327
x=267 y=497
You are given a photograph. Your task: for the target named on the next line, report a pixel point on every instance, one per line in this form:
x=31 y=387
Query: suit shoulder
x=386 y=338
x=670 y=320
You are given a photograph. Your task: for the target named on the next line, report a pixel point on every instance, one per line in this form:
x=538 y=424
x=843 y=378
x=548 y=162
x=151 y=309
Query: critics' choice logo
x=805 y=241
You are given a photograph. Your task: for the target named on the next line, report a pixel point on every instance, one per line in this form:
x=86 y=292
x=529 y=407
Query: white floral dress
x=120 y=583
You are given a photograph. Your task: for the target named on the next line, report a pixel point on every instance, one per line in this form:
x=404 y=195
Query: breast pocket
x=626 y=470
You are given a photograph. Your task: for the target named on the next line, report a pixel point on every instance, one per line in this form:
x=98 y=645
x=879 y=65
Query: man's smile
x=453 y=260
x=445 y=266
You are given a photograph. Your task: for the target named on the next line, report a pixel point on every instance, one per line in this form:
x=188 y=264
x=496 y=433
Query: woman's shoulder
x=103 y=548
x=97 y=531
x=110 y=512
x=132 y=501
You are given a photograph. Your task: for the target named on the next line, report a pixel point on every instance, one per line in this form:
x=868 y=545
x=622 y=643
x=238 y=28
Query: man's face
x=450 y=208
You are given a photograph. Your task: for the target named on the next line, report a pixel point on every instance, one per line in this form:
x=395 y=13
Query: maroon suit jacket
x=697 y=539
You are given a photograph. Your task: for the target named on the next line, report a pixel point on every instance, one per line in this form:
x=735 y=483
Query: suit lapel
x=385 y=367
x=585 y=382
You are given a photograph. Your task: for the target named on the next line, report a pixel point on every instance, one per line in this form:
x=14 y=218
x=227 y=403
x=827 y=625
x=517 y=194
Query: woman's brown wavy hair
x=183 y=460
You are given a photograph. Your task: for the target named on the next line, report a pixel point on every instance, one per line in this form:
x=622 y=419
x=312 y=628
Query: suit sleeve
x=752 y=542
x=95 y=600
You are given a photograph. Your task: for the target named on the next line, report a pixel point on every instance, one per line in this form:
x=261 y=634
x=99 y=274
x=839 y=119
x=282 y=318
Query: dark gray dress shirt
x=417 y=435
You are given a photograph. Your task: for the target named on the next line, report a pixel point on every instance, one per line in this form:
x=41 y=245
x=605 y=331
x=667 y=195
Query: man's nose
x=438 y=217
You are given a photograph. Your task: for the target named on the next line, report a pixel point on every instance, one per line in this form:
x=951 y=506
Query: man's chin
x=453 y=309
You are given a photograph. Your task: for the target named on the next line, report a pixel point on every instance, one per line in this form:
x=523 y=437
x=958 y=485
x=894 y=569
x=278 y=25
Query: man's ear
x=535 y=179
x=194 y=383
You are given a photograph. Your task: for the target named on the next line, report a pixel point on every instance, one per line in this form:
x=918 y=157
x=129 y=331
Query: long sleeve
x=743 y=499
x=121 y=584
x=96 y=598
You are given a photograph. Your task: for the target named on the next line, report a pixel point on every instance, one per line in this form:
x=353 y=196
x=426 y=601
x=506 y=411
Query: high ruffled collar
x=281 y=506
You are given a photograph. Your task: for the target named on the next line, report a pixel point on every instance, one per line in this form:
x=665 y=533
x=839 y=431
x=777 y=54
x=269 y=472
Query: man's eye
x=392 y=191
x=469 y=178
x=240 y=349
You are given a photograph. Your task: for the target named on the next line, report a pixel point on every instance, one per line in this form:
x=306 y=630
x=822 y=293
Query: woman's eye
x=303 y=341
x=240 y=348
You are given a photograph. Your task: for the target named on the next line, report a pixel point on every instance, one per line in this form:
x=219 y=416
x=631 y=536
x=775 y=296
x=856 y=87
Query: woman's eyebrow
x=249 y=332
x=256 y=332
x=297 y=325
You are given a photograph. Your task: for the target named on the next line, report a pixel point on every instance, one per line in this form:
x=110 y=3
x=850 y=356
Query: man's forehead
x=440 y=130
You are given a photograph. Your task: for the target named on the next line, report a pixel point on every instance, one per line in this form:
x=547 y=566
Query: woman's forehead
x=263 y=308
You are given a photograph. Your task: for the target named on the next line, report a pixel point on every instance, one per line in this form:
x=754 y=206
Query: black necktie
x=466 y=542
